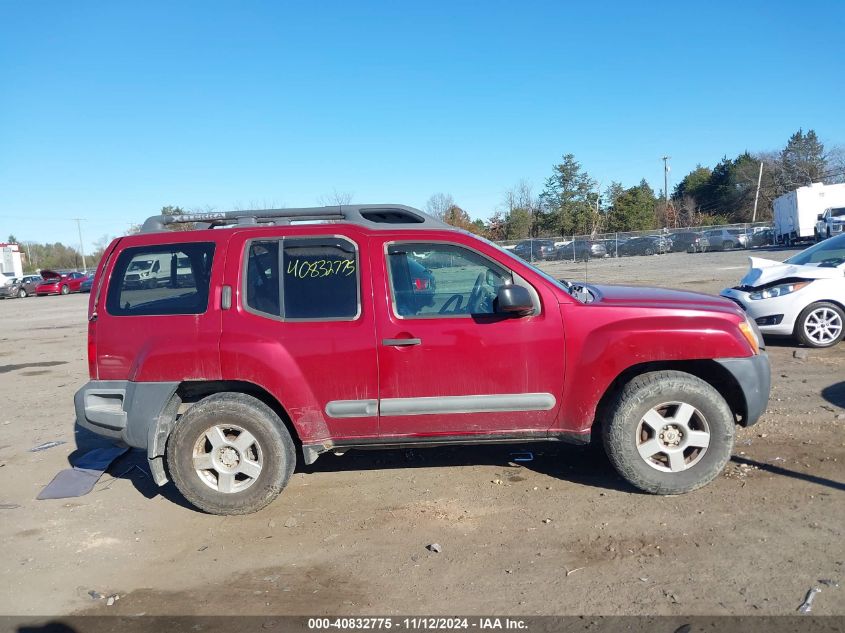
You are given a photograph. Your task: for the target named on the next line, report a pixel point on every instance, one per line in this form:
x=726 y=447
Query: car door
x=74 y=281
x=450 y=366
x=298 y=327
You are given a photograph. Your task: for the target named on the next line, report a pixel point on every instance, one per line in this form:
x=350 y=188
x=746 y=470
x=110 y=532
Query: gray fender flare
x=159 y=431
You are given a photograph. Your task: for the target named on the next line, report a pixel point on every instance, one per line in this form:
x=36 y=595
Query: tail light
x=422 y=284
x=92 y=350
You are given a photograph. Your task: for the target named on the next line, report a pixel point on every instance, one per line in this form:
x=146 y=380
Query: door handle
x=400 y=342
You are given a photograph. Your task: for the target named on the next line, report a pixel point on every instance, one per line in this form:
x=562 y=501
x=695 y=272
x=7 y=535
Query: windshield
x=143 y=264
x=837 y=213
x=831 y=252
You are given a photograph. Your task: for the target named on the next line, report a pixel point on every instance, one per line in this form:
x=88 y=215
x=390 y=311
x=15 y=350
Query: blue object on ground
x=80 y=480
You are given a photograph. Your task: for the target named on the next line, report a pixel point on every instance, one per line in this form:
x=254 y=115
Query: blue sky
x=110 y=110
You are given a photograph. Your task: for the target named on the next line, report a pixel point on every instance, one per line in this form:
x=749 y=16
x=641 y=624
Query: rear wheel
x=230 y=454
x=820 y=324
x=670 y=432
x=65 y=290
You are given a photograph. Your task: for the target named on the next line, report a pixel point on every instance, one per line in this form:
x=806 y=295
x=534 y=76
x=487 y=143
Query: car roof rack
x=377 y=216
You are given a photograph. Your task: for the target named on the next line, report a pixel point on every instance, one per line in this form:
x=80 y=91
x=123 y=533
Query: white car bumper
x=775 y=316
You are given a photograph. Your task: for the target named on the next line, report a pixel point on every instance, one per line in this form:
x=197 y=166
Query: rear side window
x=159 y=280
x=303 y=278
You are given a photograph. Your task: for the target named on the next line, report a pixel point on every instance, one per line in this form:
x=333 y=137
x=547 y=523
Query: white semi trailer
x=796 y=213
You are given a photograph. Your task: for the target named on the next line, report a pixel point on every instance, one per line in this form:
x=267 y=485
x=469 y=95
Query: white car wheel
x=821 y=325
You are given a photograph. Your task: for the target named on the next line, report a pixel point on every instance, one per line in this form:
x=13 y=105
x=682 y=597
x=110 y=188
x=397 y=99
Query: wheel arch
x=190 y=392
x=709 y=371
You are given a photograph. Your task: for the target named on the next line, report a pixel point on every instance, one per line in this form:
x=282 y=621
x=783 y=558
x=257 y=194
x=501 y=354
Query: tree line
x=572 y=202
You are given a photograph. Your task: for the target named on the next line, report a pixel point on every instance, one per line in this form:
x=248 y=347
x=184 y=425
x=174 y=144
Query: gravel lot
x=559 y=535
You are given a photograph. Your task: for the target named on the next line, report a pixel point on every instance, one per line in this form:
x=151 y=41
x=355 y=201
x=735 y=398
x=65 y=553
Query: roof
x=375 y=216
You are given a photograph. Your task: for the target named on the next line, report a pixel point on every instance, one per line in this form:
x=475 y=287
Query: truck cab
x=830 y=223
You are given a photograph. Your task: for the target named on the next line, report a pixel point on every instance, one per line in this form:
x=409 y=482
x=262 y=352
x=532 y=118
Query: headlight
x=778 y=291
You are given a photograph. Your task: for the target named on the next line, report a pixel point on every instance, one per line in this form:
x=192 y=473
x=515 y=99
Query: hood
x=766 y=271
x=50 y=275
x=659 y=298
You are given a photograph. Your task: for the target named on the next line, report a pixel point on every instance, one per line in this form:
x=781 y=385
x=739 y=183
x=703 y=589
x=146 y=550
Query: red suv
x=296 y=332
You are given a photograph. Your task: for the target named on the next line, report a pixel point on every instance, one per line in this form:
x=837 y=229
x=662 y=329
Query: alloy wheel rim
x=227 y=458
x=823 y=326
x=672 y=437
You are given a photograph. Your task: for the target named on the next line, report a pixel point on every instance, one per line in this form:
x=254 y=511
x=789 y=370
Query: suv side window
x=137 y=289
x=442 y=280
x=310 y=278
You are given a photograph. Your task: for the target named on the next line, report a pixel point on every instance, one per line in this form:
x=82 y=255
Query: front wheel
x=65 y=290
x=230 y=454
x=22 y=293
x=670 y=432
x=820 y=324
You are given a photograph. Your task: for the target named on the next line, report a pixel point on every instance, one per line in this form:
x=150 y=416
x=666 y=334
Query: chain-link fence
x=695 y=239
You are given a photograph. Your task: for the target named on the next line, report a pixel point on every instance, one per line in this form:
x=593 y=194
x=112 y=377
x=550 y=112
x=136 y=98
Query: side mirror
x=819 y=216
x=514 y=300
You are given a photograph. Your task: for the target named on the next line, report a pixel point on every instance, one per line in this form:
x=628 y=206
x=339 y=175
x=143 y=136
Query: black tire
x=65 y=290
x=800 y=333
x=22 y=293
x=648 y=251
x=648 y=391
x=273 y=448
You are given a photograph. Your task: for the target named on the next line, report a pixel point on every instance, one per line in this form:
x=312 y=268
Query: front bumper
x=8 y=291
x=754 y=377
x=762 y=308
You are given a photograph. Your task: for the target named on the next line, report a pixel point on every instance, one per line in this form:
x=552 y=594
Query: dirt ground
x=561 y=534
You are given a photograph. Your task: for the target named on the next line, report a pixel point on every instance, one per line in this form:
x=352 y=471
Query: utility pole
x=666 y=179
x=81 y=247
x=757 y=195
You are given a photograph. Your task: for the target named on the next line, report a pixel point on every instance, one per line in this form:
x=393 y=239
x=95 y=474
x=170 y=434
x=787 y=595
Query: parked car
x=764 y=237
x=644 y=245
x=20 y=287
x=85 y=286
x=802 y=297
x=293 y=341
x=690 y=242
x=611 y=245
x=581 y=250
x=54 y=283
x=535 y=250
x=727 y=239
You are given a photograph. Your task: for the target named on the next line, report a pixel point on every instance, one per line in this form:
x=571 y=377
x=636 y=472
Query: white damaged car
x=802 y=297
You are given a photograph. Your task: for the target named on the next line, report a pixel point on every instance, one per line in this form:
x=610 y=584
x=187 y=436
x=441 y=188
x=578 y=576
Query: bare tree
x=439 y=204
x=521 y=196
x=335 y=199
